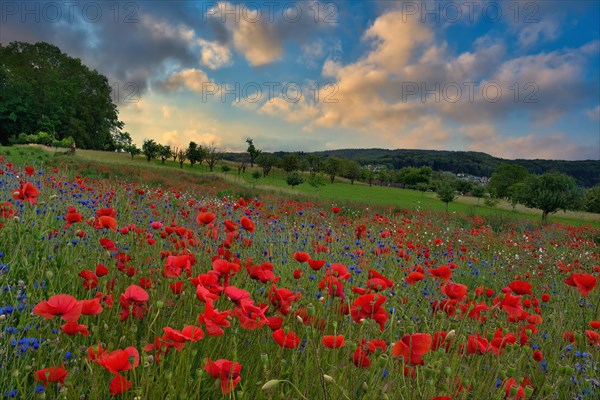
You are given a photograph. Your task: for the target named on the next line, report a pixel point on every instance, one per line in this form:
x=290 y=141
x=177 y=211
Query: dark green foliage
x=592 y=199
x=504 y=177
x=585 y=172
x=294 y=178
x=549 y=192
x=44 y=90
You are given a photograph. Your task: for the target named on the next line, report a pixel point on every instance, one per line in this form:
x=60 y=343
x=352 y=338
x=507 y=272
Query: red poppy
x=247 y=224
x=595 y=324
x=538 y=356
x=369 y=306
x=133 y=301
x=545 y=297
x=119 y=360
x=456 y=291
x=90 y=280
x=27 y=193
x=413 y=347
x=414 y=277
x=593 y=337
x=92 y=306
x=72 y=217
x=118 y=385
x=73 y=328
x=214 y=320
x=584 y=283
x=228 y=372
x=316 y=265
x=442 y=272
x=333 y=342
x=52 y=374
x=275 y=323
x=176 y=287
x=105 y=221
x=29 y=170
x=175 y=264
x=335 y=210
x=63 y=305
x=512 y=305
x=301 y=256
x=101 y=270
x=251 y=316
x=282 y=298
x=520 y=287
x=205 y=218
x=477 y=344
x=288 y=341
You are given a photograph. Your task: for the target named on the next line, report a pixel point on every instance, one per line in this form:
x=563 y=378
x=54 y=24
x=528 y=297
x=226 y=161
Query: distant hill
x=586 y=172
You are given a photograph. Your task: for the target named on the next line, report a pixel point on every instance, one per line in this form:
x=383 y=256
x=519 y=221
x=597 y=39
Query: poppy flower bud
x=511 y=371
x=382 y=359
x=365 y=387
x=160 y=304
x=448 y=371
x=450 y=335
x=328 y=379
x=528 y=391
x=311 y=310
x=270 y=385
x=429 y=382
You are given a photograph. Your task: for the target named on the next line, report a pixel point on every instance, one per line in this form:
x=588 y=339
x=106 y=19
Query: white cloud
x=214 y=55
x=191 y=79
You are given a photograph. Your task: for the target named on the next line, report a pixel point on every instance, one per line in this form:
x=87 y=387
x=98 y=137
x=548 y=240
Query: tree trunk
x=544 y=217
x=446 y=208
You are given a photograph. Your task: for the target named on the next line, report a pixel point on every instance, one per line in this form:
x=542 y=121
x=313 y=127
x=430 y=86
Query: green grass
x=341 y=192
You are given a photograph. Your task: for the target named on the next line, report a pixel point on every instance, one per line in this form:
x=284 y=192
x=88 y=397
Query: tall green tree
x=504 y=177
x=266 y=161
x=195 y=153
x=333 y=166
x=351 y=171
x=43 y=89
x=291 y=162
x=164 y=152
x=150 y=149
x=446 y=191
x=592 y=199
x=252 y=151
x=550 y=192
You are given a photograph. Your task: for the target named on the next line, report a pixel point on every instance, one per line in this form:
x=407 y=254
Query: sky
x=514 y=79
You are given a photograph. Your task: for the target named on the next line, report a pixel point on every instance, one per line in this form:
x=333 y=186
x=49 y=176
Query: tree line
x=548 y=192
x=585 y=172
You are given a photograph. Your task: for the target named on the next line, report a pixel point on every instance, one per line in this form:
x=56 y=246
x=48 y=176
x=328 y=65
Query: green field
x=340 y=193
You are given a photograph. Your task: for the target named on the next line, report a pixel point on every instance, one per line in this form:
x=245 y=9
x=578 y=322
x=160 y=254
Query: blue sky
x=512 y=79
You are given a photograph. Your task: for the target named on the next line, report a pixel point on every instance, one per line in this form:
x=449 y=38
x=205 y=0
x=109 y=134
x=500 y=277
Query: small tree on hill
x=446 y=192
x=252 y=151
x=266 y=161
x=181 y=157
x=213 y=155
x=352 y=171
x=133 y=150
x=150 y=149
x=478 y=190
x=294 y=178
x=164 y=152
x=551 y=192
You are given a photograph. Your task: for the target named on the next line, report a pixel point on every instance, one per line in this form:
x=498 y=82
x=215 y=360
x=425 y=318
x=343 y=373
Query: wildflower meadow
x=113 y=287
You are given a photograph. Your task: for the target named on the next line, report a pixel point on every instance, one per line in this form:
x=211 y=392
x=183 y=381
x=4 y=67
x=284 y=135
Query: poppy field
x=114 y=287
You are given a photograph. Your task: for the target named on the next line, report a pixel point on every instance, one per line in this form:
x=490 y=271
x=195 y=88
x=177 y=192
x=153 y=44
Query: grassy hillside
x=341 y=193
